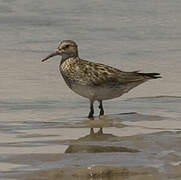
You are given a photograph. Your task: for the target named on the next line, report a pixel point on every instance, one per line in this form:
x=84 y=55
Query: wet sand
x=124 y=146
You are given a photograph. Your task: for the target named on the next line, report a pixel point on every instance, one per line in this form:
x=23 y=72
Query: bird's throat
x=68 y=56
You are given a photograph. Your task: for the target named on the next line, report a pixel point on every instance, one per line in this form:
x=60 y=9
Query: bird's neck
x=68 y=56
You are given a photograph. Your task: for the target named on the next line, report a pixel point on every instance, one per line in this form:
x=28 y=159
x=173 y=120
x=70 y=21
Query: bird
x=95 y=81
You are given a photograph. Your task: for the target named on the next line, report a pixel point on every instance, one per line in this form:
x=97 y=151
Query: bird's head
x=66 y=49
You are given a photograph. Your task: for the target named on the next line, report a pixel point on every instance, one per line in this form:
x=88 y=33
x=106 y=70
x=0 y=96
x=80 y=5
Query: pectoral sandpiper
x=95 y=81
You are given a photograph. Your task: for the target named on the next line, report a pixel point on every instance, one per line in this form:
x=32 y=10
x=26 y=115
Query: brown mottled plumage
x=93 y=80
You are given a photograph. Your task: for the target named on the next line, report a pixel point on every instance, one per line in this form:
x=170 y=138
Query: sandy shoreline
x=125 y=144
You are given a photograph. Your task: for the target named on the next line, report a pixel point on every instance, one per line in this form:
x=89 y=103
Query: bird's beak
x=56 y=53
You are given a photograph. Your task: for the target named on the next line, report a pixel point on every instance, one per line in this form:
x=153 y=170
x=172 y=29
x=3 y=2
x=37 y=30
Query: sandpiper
x=95 y=81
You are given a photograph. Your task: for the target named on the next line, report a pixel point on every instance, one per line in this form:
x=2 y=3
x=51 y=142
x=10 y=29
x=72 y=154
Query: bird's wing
x=99 y=74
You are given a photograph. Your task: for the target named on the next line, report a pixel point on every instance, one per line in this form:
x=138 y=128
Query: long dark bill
x=56 y=53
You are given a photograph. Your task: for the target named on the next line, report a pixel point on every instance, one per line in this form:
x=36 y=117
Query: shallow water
x=40 y=115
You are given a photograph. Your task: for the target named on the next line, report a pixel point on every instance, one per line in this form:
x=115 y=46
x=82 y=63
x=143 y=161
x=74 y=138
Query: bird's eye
x=67 y=46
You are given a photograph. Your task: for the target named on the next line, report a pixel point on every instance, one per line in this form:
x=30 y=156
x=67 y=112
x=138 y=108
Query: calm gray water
x=130 y=35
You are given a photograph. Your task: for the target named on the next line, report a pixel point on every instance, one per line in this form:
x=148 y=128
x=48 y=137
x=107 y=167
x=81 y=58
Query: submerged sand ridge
x=156 y=159
x=124 y=146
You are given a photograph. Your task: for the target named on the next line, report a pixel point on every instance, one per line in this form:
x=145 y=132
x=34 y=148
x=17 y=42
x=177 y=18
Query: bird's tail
x=151 y=75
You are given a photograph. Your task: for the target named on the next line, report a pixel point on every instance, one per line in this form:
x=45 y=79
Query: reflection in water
x=87 y=144
x=92 y=133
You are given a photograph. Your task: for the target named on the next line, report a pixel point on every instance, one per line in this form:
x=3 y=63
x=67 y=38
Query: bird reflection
x=96 y=142
x=99 y=133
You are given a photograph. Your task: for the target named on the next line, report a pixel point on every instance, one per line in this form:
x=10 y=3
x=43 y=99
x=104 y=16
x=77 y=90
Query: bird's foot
x=91 y=116
x=101 y=112
x=101 y=109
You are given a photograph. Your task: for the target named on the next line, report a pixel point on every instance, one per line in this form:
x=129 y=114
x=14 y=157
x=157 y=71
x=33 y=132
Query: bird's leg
x=101 y=108
x=91 y=113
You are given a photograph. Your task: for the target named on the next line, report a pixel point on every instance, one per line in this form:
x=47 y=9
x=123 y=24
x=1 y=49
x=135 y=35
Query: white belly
x=100 y=93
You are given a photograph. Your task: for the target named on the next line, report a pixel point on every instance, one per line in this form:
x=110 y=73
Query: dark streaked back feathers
x=95 y=74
